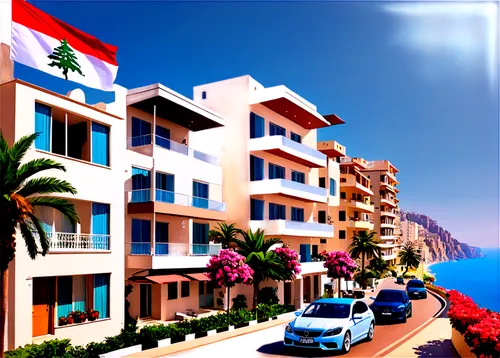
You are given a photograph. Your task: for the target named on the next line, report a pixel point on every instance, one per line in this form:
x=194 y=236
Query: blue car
x=391 y=305
x=331 y=324
x=416 y=289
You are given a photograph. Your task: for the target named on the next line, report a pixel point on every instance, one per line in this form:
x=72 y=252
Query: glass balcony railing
x=172 y=249
x=302 y=148
x=164 y=196
x=173 y=146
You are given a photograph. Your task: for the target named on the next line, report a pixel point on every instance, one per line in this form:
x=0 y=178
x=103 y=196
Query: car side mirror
x=298 y=313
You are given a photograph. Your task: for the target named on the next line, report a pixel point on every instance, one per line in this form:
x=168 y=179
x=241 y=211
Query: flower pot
x=462 y=348
x=70 y=320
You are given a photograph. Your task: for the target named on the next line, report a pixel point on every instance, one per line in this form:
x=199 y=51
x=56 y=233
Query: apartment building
x=173 y=198
x=84 y=268
x=415 y=233
x=355 y=209
x=382 y=175
x=270 y=172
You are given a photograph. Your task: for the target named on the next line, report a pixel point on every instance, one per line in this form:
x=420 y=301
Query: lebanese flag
x=43 y=42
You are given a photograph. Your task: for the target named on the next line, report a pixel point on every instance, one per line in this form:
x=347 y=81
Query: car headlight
x=332 y=332
x=401 y=308
x=289 y=328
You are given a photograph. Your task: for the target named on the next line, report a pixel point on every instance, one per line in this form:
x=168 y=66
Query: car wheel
x=411 y=312
x=371 y=332
x=346 y=346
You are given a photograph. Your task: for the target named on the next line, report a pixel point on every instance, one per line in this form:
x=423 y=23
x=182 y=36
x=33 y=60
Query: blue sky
x=416 y=83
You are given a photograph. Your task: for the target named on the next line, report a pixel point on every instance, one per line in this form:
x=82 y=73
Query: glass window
x=100 y=144
x=256 y=168
x=200 y=195
x=277 y=212
x=342 y=215
x=141 y=237
x=256 y=126
x=43 y=120
x=322 y=217
x=101 y=294
x=141 y=185
x=200 y=239
x=275 y=129
x=276 y=171
x=172 y=290
x=322 y=182
x=165 y=187
x=141 y=132
x=185 y=289
x=297 y=214
x=295 y=137
x=342 y=234
x=64 y=295
x=256 y=209
x=327 y=310
x=298 y=177
x=332 y=187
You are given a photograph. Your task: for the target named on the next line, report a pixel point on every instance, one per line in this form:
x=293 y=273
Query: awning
x=197 y=276
x=167 y=278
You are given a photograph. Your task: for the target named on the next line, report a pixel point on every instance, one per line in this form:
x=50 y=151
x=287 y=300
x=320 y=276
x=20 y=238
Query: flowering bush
x=339 y=264
x=228 y=268
x=290 y=260
x=464 y=311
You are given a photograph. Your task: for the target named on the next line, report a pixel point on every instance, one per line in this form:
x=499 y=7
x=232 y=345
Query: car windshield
x=389 y=296
x=415 y=283
x=327 y=310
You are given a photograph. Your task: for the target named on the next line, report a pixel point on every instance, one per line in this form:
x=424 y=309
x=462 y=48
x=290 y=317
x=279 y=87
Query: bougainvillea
x=464 y=311
x=339 y=264
x=228 y=268
x=290 y=260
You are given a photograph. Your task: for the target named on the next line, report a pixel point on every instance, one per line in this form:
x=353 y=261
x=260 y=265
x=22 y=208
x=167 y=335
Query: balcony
x=64 y=242
x=387 y=225
x=387 y=237
x=289 y=149
x=163 y=255
x=288 y=188
x=386 y=245
x=293 y=228
x=167 y=202
x=358 y=162
x=144 y=145
x=290 y=105
x=388 y=201
x=349 y=180
x=361 y=224
x=389 y=257
x=388 y=213
x=359 y=205
x=331 y=149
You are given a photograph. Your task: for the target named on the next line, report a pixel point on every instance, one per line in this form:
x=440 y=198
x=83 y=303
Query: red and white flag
x=43 y=42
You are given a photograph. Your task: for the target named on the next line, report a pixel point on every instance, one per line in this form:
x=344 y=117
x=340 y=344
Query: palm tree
x=264 y=261
x=378 y=266
x=364 y=244
x=409 y=257
x=20 y=196
x=224 y=234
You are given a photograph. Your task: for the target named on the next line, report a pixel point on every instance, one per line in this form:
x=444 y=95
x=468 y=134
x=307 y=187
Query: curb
x=417 y=330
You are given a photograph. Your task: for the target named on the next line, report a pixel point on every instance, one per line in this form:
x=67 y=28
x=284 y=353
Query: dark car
x=400 y=281
x=416 y=289
x=391 y=305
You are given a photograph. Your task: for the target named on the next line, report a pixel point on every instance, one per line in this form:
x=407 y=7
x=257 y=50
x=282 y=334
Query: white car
x=331 y=324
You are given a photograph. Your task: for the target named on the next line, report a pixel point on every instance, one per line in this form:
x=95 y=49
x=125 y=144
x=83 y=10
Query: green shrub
x=53 y=348
x=239 y=302
x=268 y=296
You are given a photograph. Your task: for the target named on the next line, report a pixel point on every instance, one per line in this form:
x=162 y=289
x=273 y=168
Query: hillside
x=442 y=246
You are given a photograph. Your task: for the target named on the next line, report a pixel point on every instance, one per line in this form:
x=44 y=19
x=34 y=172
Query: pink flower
x=228 y=268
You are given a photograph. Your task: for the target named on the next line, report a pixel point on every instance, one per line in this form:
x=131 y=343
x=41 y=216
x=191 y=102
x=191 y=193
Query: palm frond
x=29 y=239
x=44 y=240
x=46 y=185
x=62 y=205
x=21 y=146
x=35 y=166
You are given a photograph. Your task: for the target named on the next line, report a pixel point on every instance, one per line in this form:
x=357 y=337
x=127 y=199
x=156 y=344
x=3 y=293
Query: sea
x=476 y=278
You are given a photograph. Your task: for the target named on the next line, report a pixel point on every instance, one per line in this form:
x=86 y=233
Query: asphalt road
x=268 y=342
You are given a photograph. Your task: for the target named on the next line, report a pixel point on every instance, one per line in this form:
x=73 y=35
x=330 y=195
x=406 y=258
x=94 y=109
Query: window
x=332 y=186
x=141 y=132
x=161 y=238
x=276 y=171
x=297 y=214
x=256 y=209
x=256 y=168
x=343 y=195
x=295 y=137
x=100 y=144
x=101 y=295
x=342 y=234
x=322 y=182
x=200 y=239
x=315 y=251
x=43 y=121
x=172 y=290
x=165 y=188
x=277 y=212
x=64 y=295
x=359 y=307
x=275 y=129
x=341 y=215
x=100 y=220
x=256 y=126
x=204 y=95
x=322 y=217
x=298 y=177
x=200 y=195
x=185 y=289
x=322 y=241
x=162 y=137
x=141 y=237
x=141 y=185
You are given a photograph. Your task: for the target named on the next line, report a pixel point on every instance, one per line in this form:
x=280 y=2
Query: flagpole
x=153 y=182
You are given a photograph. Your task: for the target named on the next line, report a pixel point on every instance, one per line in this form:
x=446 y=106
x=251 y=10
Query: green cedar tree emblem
x=64 y=58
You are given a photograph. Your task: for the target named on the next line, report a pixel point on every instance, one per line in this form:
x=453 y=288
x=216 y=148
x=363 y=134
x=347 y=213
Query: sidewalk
x=433 y=341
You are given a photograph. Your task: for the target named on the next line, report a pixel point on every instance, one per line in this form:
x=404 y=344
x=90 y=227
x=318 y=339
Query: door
x=360 y=325
x=201 y=294
x=200 y=239
x=305 y=253
x=43 y=305
x=145 y=300
x=288 y=293
x=307 y=288
x=210 y=295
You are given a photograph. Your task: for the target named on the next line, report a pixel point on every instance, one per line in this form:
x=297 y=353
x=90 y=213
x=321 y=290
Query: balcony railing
x=316 y=190
x=173 y=249
x=173 y=146
x=62 y=241
x=164 y=196
x=302 y=148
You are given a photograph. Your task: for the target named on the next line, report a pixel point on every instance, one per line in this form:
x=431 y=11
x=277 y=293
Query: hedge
x=148 y=336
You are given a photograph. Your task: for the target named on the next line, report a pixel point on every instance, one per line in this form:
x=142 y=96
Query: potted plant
x=92 y=314
x=69 y=318
x=79 y=316
x=63 y=321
